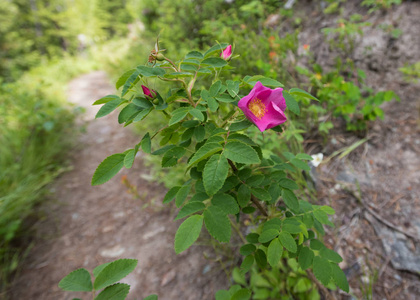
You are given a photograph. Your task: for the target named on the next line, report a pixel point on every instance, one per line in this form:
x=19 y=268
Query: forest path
x=86 y=226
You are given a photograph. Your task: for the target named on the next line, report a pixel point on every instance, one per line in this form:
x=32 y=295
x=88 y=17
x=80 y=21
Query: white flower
x=317 y=159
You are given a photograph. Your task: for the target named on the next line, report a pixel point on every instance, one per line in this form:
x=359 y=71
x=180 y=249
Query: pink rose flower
x=264 y=107
x=227 y=53
x=151 y=94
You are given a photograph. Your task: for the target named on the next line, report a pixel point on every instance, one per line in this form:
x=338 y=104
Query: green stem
x=235 y=226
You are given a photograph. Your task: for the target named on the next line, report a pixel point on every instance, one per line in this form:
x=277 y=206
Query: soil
x=376 y=186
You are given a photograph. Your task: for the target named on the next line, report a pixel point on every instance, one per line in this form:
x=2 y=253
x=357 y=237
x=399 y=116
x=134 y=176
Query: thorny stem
x=253 y=198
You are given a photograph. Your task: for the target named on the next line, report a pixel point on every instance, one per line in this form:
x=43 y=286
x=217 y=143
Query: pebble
x=115 y=251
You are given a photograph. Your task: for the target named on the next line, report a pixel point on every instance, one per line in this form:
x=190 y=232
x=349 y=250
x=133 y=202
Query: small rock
x=206 y=269
x=75 y=216
x=153 y=233
x=115 y=251
x=108 y=228
x=168 y=277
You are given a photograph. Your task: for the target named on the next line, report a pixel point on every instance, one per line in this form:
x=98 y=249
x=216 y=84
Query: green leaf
x=222 y=295
x=226 y=202
x=142 y=102
x=339 y=277
x=149 y=71
x=290 y=199
x=322 y=217
x=129 y=158
x=233 y=88
x=131 y=80
x=108 y=108
x=288 y=241
x=142 y=114
x=182 y=194
x=304 y=156
x=288 y=184
x=205 y=151
x=327 y=209
x=108 y=168
x=306 y=257
x=331 y=255
x=171 y=157
x=177 y=116
x=146 y=143
x=114 y=272
x=242 y=294
x=316 y=245
x=300 y=164
x=128 y=112
x=197 y=114
x=151 y=297
x=268 y=235
x=123 y=79
x=261 y=258
x=274 y=253
x=199 y=133
x=194 y=54
x=215 y=173
x=264 y=81
x=261 y=194
x=244 y=195
x=77 y=281
x=291 y=103
x=215 y=88
x=241 y=153
x=217 y=224
x=241 y=125
x=302 y=93
x=253 y=237
x=106 y=99
x=247 y=263
x=238 y=276
x=212 y=104
x=170 y=195
x=178 y=75
x=322 y=270
x=190 y=208
x=99 y=269
x=187 y=233
x=216 y=48
x=247 y=249
x=215 y=62
x=118 y=291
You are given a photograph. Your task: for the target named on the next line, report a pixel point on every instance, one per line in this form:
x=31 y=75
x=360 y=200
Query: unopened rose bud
x=150 y=94
x=227 y=53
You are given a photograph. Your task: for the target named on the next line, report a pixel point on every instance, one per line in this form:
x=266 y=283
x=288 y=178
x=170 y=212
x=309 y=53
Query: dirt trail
x=87 y=226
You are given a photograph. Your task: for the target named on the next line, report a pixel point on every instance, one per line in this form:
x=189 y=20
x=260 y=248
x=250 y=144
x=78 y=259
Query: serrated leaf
x=142 y=114
x=178 y=75
x=194 y=54
x=128 y=112
x=122 y=80
x=304 y=156
x=339 y=277
x=171 y=157
x=199 y=133
x=131 y=80
x=322 y=217
x=129 y=158
x=261 y=258
x=99 y=269
x=288 y=241
x=77 y=281
x=215 y=88
x=247 y=249
x=217 y=224
x=327 y=209
x=274 y=253
x=108 y=108
x=177 y=116
x=268 y=235
x=302 y=93
x=114 y=272
x=300 y=164
x=215 y=48
x=261 y=194
x=291 y=103
x=170 y=195
x=215 y=173
x=244 y=195
x=222 y=295
x=215 y=62
x=190 y=208
x=322 y=270
x=226 y=202
x=182 y=194
x=146 y=143
x=149 y=71
x=247 y=263
x=238 y=276
x=288 y=184
x=233 y=88
x=252 y=238
x=108 y=168
x=106 y=99
x=142 y=102
x=306 y=257
x=212 y=104
x=205 y=151
x=118 y=291
x=151 y=297
x=242 y=294
x=241 y=153
x=241 y=125
x=188 y=232
x=197 y=114
x=331 y=255
x=290 y=199
x=264 y=81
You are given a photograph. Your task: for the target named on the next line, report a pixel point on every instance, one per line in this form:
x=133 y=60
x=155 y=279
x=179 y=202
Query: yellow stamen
x=257 y=108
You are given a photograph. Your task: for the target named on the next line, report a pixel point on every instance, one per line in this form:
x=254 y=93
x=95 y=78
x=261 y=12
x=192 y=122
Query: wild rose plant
x=229 y=180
